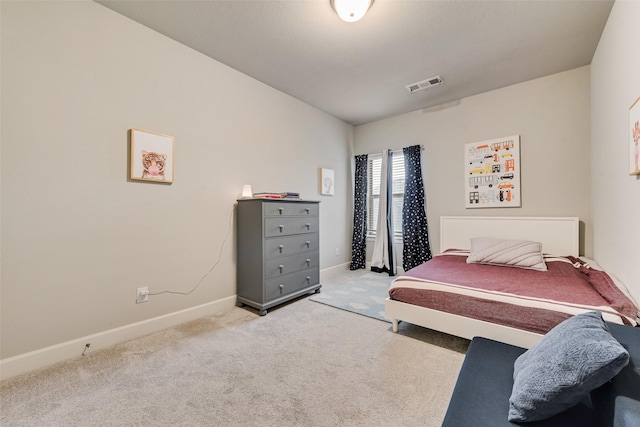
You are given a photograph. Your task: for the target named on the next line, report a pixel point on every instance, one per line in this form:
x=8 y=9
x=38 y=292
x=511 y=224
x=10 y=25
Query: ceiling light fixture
x=351 y=10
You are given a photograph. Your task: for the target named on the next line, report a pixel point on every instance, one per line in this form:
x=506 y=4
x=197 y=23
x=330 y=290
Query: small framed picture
x=151 y=157
x=326 y=182
x=634 y=138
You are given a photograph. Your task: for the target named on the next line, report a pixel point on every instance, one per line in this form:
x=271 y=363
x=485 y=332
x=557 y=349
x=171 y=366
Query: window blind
x=398 y=177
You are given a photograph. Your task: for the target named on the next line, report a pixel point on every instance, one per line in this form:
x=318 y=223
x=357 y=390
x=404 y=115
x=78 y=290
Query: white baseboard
x=41 y=358
x=47 y=356
x=332 y=271
x=337 y=269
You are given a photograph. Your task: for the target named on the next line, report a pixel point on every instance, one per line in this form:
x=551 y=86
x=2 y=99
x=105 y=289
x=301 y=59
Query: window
x=375 y=165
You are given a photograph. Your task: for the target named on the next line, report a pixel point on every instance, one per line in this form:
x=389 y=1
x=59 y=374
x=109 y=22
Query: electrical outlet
x=142 y=295
x=337 y=251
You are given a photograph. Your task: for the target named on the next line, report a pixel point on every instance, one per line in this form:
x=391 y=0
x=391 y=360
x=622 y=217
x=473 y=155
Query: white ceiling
x=358 y=71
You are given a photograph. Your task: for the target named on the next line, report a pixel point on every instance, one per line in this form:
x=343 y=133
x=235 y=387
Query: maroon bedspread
x=571 y=285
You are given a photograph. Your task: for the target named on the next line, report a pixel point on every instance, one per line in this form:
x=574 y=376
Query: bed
x=448 y=294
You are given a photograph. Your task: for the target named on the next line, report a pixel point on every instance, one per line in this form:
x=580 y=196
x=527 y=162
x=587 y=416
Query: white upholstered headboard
x=558 y=235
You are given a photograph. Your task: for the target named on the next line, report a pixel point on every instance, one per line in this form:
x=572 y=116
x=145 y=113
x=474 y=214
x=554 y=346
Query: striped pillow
x=508 y=253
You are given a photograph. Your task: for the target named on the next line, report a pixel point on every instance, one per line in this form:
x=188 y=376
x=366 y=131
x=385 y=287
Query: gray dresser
x=278 y=251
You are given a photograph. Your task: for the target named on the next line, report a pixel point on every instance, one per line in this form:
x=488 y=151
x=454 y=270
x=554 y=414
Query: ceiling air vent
x=424 y=84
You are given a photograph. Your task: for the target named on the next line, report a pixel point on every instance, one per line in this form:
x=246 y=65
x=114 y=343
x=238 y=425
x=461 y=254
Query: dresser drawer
x=289 y=283
x=287 y=226
x=277 y=247
x=282 y=266
x=290 y=209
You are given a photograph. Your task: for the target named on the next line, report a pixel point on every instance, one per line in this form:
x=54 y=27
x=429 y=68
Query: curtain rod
x=393 y=151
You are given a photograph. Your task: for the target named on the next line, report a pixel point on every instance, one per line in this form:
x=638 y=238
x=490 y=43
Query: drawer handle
x=308 y=261
x=308 y=226
x=280 y=210
x=281 y=227
x=307 y=210
x=281 y=286
x=308 y=242
x=281 y=247
x=308 y=279
x=281 y=267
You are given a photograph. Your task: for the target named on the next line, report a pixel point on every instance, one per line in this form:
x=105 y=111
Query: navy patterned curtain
x=359 y=245
x=415 y=235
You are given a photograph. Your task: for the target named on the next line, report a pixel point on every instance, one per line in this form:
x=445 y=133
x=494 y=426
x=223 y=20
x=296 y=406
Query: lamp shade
x=351 y=10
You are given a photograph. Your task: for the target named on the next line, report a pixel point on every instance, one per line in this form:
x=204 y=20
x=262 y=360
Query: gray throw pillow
x=572 y=359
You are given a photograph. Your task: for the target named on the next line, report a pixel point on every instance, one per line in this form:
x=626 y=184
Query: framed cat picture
x=151 y=157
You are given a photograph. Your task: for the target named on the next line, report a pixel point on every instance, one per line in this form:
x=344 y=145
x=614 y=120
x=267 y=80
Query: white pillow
x=508 y=253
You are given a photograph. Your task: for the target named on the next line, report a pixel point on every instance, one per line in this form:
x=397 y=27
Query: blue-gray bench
x=481 y=395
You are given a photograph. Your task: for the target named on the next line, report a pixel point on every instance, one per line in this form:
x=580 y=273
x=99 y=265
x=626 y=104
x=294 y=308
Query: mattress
x=529 y=300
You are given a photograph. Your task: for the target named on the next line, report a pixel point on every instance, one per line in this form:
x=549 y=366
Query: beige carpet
x=303 y=364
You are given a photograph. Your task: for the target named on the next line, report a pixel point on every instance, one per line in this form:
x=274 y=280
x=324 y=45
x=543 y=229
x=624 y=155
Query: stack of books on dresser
x=287 y=195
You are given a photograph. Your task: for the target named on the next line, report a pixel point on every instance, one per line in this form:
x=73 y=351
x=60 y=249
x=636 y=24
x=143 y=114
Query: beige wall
x=616 y=195
x=77 y=237
x=550 y=114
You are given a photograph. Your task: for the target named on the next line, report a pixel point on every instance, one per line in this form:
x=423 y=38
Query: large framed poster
x=492 y=173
